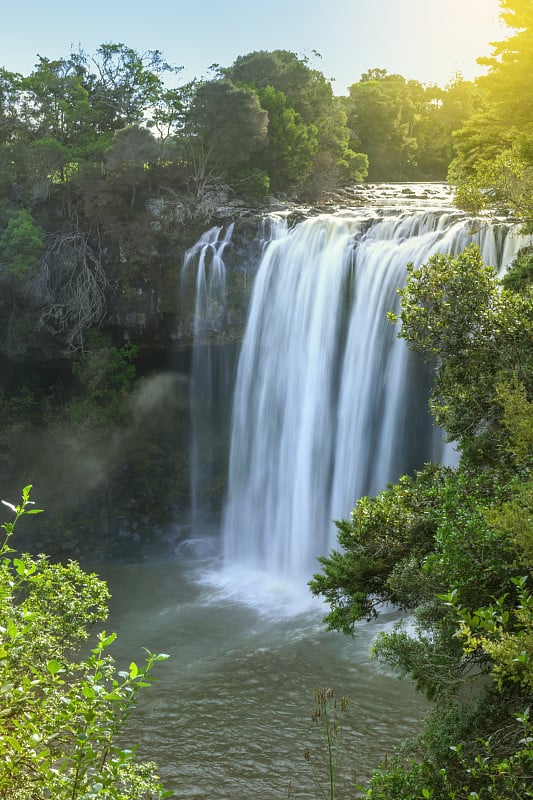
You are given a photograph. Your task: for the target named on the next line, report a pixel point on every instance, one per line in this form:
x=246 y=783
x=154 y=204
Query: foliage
x=106 y=375
x=520 y=273
x=404 y=128
x=503 y=183
x=494 y=153
x=22 y=245
x=306 y=89
x=390 y=532
x=61 y=717
x=253 y=184
x=292 y=143
x=227 y=126
x=309 y=142
x=455 y=312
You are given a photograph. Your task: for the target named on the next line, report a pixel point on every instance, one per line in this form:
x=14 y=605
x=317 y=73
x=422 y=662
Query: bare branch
x=72 y=281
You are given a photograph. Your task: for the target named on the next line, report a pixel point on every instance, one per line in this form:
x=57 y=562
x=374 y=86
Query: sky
x=425 y=40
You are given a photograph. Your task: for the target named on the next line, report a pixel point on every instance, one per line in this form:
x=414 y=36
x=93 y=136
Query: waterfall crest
x=329 y=404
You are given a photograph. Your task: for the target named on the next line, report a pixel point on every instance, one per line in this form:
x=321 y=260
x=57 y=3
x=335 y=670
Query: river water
x=229 y=716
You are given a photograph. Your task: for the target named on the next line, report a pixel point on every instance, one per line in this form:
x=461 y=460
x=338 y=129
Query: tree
x=105 y=377
x=306 y=89
x=59 y=123
x=70 y=288
x=129 y=160
x=292 y=144
x=125 y=85
x=168 y=113
x=455 y=312
x=62 y=717
x=494 y=150
x=22 y=244
x=309 y=141
x=9 y=99
x=226 y=126
x=404 y=127
x=380 y=114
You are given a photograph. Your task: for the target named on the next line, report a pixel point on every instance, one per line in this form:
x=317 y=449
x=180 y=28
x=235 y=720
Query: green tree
x=404 y=127
x=226 y=126
x=129 y=162
x=380 y=115
x=59 y=126
x=22 y=244
x=309 y=140
x=292 y=144
x=62 y=714
x=455 y=312
x=494 y=161
x=124 y=85
x=306 y=89
x=106 y=376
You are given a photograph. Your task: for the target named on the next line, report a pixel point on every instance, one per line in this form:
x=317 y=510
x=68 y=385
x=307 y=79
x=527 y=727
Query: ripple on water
x=229 y=715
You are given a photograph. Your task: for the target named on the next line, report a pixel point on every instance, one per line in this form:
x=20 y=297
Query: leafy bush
x=60 y=716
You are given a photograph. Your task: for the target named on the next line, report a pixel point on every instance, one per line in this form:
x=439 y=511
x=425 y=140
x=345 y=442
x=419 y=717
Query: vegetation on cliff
x=493 y=161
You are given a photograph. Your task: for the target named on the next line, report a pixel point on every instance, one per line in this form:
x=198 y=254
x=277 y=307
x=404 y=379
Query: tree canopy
x=493 y=166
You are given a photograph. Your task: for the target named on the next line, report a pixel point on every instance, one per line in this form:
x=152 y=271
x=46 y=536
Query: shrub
x=61 y=713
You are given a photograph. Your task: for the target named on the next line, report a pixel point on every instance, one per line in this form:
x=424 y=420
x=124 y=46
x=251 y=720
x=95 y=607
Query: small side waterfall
x=329 y=404
x=211 y=376
x=213 y=365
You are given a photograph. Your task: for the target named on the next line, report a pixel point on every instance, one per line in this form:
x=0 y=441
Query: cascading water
x=211 y=375
x=329 y=404
x=213 y=364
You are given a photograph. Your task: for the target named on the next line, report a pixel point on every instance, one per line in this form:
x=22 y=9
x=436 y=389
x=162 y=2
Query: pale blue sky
x=428 y=40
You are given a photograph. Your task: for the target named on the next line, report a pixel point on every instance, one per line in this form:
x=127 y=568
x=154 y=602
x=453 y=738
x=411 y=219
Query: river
x=229 y=715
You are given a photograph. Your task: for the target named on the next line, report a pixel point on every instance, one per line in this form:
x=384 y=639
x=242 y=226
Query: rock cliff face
x=140 y=291
x=157 y=311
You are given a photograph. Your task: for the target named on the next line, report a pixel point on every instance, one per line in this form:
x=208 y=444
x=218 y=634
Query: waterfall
x=211 y=375
x=329 y=404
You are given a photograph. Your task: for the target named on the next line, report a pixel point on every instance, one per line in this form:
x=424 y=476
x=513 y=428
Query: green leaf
x=87 y=691
x=53 y=666
x=19 y=566
x=134 y=670
x=105 y=640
